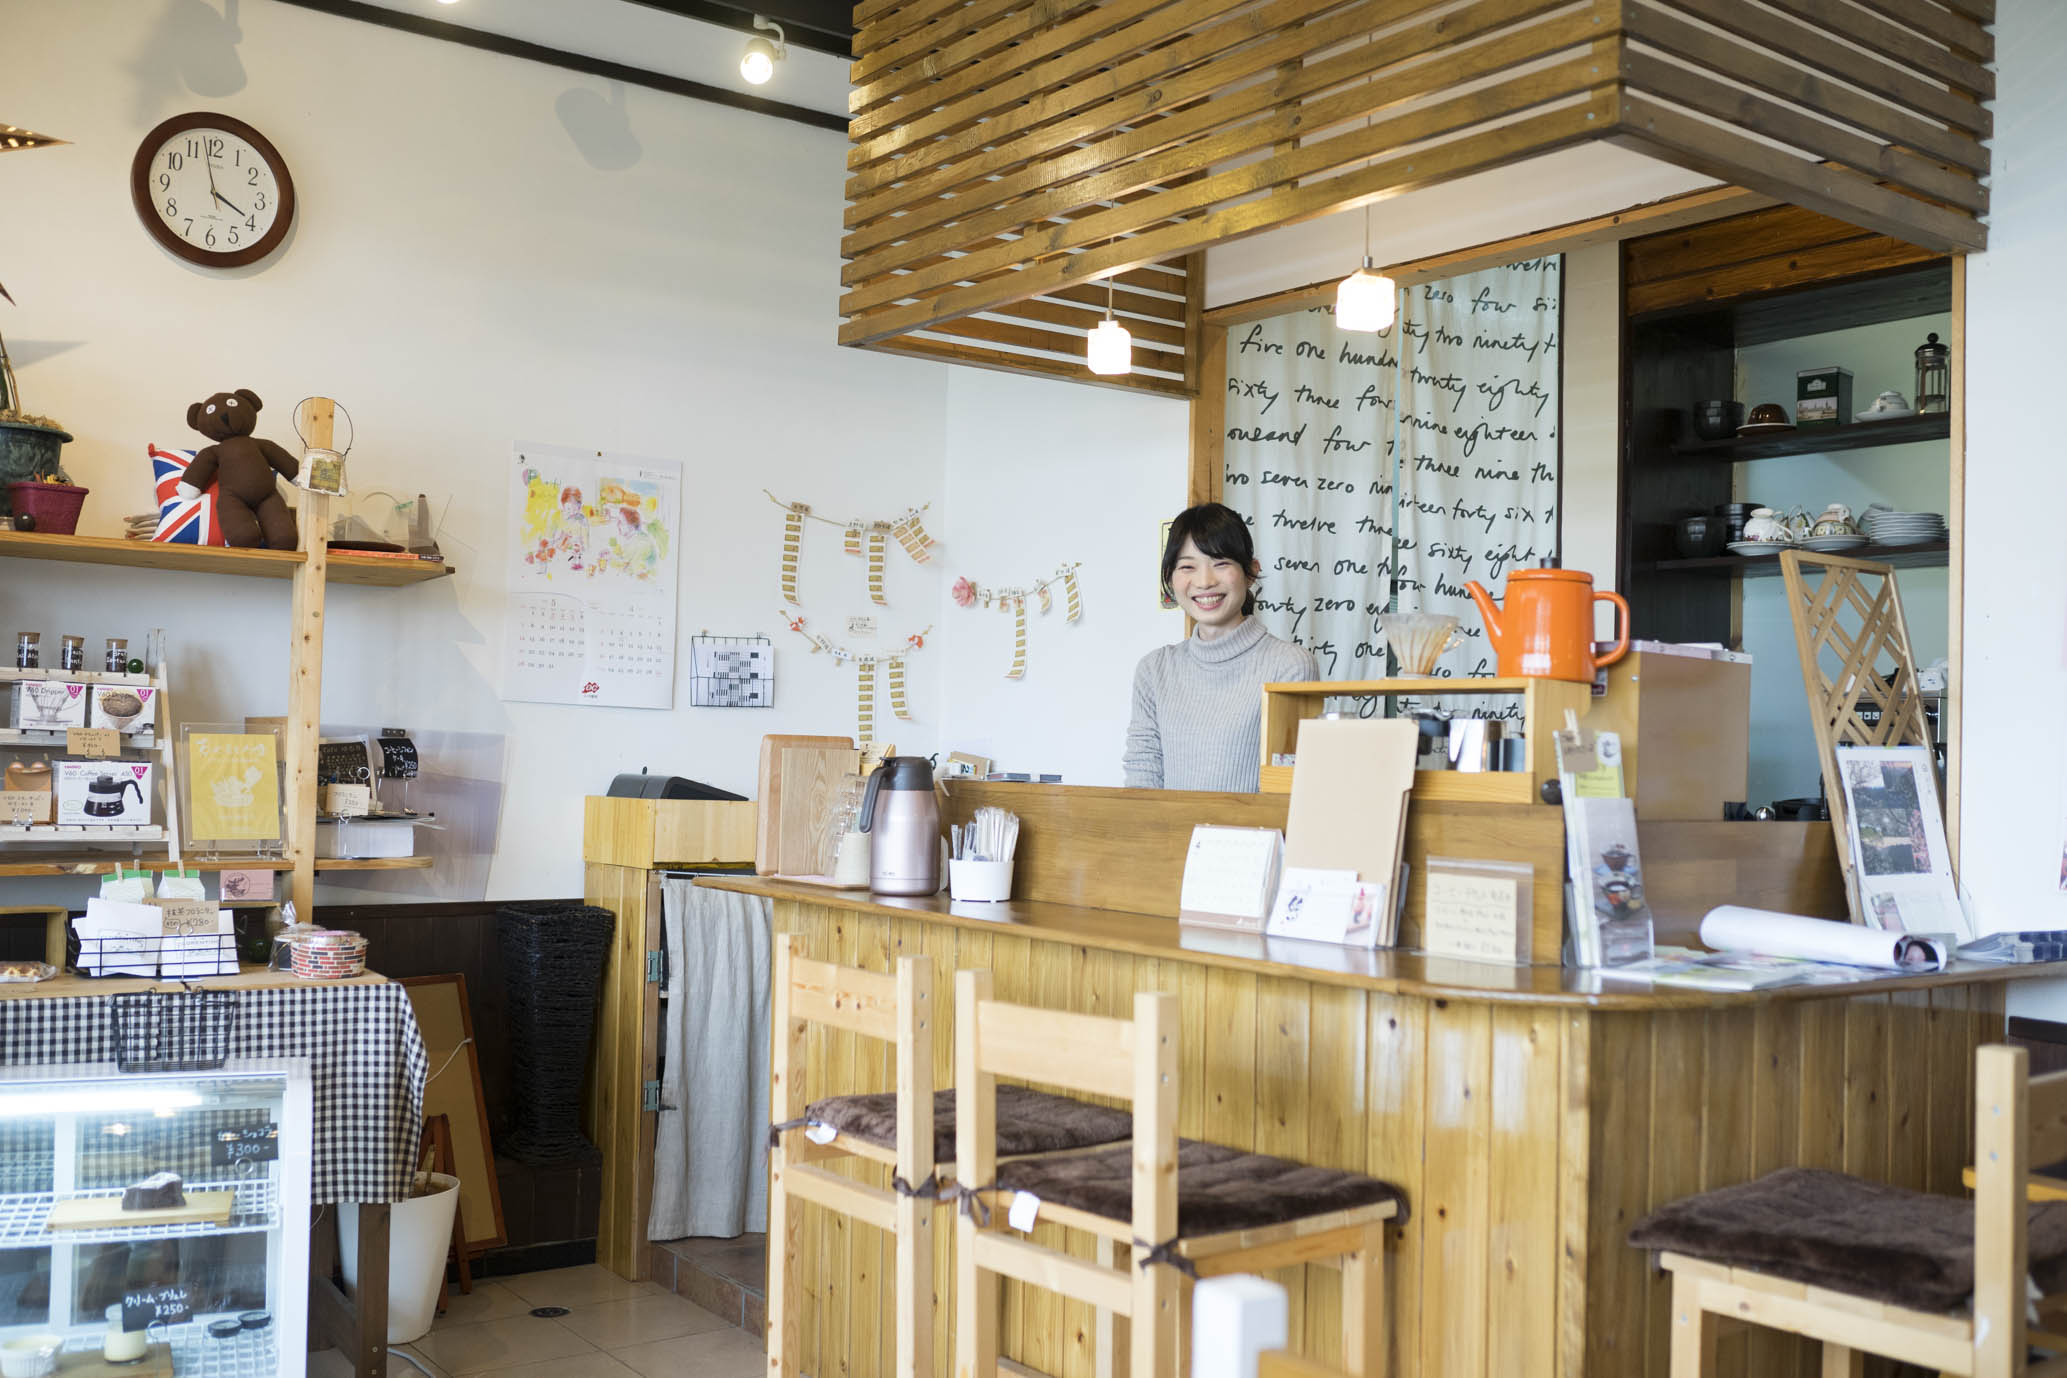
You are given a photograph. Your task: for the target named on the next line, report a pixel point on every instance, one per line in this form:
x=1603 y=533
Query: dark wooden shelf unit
x=1768 y=566
x=1859 y=435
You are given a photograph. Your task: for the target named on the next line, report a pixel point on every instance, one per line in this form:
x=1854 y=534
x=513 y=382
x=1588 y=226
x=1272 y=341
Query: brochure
x=1895 y=831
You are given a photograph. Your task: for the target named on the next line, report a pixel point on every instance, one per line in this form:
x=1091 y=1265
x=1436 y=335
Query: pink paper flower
x=964 y=593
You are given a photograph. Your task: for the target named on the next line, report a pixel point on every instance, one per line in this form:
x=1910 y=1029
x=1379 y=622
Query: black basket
x=173 y=1031
x=552 y=967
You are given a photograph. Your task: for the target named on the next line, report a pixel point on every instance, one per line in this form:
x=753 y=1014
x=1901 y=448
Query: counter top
x=1388 y=970
x=67 y=984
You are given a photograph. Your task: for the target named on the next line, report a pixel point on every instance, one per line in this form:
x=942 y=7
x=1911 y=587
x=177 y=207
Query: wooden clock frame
x=141 y=197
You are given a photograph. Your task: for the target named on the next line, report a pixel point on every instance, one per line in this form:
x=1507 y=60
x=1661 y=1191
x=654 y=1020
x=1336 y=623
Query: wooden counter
x=1531 y=1115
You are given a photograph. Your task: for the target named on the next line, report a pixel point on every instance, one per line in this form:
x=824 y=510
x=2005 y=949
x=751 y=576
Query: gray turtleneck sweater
x=1198 y=709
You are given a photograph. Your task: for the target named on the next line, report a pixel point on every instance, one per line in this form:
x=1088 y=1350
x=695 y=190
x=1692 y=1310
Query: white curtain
x=1459 y=400
x=710 y=1152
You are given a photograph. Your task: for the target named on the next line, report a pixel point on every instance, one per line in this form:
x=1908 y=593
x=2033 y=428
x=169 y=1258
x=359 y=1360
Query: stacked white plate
x=1903 y=528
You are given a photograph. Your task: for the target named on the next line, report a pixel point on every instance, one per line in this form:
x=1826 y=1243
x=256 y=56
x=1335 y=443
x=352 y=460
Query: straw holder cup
x=988 y=881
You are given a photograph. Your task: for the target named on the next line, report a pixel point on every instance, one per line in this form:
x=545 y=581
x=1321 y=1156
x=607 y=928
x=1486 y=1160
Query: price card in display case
x=258 y=1144
x=168 y=1304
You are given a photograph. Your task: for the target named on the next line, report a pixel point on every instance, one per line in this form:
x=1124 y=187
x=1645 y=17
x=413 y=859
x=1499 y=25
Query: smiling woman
x=1197 y=720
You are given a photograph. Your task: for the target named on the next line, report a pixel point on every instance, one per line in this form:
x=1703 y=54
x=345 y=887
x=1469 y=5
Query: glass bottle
x=118 y=655
x=71 y=654
x=28 y=651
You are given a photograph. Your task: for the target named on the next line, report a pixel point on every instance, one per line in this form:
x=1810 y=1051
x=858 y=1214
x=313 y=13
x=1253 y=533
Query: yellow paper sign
x=93 y=741
x=24 y=806
x=233 y=787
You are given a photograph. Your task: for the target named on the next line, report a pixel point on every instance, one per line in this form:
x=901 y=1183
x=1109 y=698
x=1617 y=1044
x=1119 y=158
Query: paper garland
x=969 y=594
x=865 y=675
x=909 y=529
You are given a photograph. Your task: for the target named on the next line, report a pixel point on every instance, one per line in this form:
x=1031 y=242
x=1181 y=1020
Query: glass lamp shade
x=759 y=63
x=1110 y=349
x=1365 y=301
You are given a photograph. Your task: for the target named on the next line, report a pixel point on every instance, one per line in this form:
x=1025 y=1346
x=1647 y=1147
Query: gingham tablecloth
x=366 y=1063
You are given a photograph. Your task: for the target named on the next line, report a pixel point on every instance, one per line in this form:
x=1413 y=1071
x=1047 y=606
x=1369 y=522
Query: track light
x=758 y=63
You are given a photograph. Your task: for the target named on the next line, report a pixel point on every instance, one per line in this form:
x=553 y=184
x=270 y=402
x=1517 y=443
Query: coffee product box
x=127 y=708
x=105 y=794
x=47 y=705
x=1823 y=396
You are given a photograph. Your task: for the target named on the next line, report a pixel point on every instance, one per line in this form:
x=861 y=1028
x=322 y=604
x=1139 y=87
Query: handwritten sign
x=259 y=1144
x=168 y=1304
x=348 y=801
x=19 y=806
x=1405 y=463
x=1231 y=876
x=97 y=742
x=233 y=786
x=188 y=916
x=1477 y=914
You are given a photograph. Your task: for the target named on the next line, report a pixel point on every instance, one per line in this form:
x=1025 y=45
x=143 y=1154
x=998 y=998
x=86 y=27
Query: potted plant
x=28 y=443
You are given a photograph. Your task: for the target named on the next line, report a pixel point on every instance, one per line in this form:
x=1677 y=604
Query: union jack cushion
x=183 y=520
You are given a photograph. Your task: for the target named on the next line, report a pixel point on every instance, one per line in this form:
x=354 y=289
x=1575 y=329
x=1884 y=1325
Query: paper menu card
x=233 y=786
x=1895 y=832
x=1329 y=906
x=1478 y=910
x=1230 y=876
x=1349 y=795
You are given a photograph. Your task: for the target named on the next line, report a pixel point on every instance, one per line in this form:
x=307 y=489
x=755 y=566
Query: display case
x=218 y=1285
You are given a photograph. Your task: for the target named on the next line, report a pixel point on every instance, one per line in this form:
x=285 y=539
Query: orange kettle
x=1546 y=627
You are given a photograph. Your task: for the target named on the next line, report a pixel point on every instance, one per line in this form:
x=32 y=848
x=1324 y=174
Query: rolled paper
x=911 y=534
x=1734 y=928
x=1018 y=669
x=875 y=566
x=1074 y=598
x=897 y=703
x=792 y=544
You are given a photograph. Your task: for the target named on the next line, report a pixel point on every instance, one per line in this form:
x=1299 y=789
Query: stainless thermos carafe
x=903 y=826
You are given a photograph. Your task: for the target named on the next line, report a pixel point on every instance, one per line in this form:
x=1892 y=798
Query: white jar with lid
x=119 y=1346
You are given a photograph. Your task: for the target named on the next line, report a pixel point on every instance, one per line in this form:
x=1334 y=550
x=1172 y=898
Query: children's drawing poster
x=233 y=786
x=590 y=614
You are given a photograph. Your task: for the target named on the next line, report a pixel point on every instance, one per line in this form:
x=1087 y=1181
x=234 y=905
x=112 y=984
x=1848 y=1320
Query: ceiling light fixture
x=1109 y=349
x=758 y=64
x=1366 y=300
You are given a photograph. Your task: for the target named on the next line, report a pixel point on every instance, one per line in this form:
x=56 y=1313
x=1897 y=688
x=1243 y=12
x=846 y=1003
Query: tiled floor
x=612 y=1329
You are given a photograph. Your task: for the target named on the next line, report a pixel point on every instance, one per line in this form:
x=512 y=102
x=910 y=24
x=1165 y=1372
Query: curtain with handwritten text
x=1458 y=402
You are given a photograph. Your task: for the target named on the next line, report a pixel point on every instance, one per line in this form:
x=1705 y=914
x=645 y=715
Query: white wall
x=1591 y=499
x=1910 y=478
x=1041 y=473
x=2015 y=788
x=460 y=277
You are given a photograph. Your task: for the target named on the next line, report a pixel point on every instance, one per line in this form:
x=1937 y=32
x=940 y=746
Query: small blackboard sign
x=170 y=1303
x=258 y=1144
x=344 y=761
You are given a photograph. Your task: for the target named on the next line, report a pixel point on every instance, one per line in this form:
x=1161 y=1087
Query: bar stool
x=1182 y=1207
x=1868 y=1268
x=911 y=1130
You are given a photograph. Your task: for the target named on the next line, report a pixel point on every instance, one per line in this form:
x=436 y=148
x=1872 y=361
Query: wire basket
x=172 y=957
x=173 y=1031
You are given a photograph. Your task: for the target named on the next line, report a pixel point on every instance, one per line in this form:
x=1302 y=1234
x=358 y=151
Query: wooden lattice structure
x=1854 y=647
x=1009 y=156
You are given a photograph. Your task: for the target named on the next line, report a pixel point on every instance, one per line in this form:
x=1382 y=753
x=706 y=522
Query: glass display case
x=216 y=1284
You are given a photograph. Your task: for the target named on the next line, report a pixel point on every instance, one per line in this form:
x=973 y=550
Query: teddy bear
x=248 y=501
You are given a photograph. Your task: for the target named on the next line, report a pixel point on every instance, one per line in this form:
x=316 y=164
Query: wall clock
x=212 y=189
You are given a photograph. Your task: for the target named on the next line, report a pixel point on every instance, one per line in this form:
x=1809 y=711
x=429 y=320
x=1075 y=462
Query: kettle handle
x=131 y=784
x=1622 y=646
x=868 y=798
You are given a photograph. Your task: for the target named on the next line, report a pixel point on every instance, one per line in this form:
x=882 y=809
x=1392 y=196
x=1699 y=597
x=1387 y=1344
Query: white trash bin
x=419 y=1234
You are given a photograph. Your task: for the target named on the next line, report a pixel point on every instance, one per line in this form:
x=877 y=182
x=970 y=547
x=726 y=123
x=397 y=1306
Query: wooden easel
x=1854 y=613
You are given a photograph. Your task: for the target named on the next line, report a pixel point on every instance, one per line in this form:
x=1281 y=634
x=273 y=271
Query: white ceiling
x=640 y=36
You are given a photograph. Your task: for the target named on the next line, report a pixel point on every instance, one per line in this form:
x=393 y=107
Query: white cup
x=988 y=881
x=30 y=1356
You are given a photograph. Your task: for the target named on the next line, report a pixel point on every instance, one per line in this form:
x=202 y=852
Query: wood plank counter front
x=1532 y=1115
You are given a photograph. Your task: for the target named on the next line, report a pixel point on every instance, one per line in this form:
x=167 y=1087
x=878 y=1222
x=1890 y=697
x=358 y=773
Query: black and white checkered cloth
x=367 y=1066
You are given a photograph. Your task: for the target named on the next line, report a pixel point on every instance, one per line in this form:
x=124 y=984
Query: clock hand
x=226 y=201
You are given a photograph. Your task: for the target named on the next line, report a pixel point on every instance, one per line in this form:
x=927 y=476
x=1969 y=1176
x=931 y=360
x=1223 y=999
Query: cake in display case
x=158 y=1221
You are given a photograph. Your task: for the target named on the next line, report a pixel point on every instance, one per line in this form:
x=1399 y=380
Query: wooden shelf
x=101 y=864
x=1859 y=435
x=344 y=568
x=1768 y=566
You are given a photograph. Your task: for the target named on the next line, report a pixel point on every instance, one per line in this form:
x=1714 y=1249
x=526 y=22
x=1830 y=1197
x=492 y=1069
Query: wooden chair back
x=1134 y=1060
x=2018 y=1120
x=895 y=1009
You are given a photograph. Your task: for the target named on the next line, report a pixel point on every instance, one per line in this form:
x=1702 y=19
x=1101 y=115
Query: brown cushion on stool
x=1029 y=1121
x=1827 y=1229
x=1218 y=1188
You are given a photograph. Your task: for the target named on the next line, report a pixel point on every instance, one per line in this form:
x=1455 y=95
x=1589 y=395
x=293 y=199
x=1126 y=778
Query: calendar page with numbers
x=590 y=612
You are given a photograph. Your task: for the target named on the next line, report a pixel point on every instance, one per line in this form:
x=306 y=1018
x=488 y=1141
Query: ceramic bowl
x=1766 y=416
x=1699 y=537
x=30 y=1356
x=1717 y=420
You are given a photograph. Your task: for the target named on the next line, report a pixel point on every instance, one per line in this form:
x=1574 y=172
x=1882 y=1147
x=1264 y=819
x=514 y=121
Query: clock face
x=212 y=190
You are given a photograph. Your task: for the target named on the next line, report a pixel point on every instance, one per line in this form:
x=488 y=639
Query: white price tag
x=1025 y=1206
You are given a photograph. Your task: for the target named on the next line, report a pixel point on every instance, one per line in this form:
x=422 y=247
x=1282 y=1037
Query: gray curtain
x=710 y=1155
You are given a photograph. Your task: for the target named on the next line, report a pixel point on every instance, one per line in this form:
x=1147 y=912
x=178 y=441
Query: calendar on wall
x=589 y=615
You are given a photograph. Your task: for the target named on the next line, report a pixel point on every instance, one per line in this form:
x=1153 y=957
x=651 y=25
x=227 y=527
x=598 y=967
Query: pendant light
x=1366 y=300
x=1110 y=349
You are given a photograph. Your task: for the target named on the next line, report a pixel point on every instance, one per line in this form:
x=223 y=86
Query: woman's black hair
x=1220 y=534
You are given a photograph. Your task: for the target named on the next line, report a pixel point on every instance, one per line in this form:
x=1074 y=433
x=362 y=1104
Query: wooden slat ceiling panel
x=1007 y=153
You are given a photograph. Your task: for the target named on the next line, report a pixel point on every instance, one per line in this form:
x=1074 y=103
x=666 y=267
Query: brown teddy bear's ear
x=194 y=417
x=249 y=398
